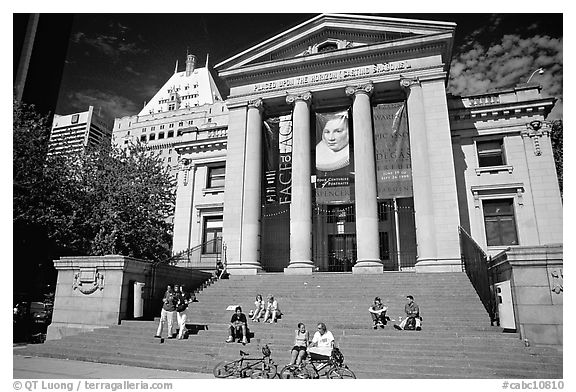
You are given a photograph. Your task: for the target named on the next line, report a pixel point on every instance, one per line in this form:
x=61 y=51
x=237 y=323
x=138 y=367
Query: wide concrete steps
x=457 y=340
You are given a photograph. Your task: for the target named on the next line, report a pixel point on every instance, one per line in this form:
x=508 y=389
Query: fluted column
x=365 y=193
x=251 y=211
x=301 y=205
x=422 y=185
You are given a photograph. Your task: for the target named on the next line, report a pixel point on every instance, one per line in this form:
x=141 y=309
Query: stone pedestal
x=537 y=283
x=96 y=291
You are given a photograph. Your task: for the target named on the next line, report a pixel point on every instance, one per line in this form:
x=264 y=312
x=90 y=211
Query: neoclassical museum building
x=339 y=149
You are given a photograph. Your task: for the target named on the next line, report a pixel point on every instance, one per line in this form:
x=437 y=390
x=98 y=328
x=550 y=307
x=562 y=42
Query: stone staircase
x=456 y=341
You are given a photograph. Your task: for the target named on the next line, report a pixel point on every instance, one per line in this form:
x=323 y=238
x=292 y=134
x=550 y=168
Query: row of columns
x=366 y=204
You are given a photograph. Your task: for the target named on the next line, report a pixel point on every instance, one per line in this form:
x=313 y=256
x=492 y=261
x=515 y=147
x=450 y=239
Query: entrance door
x=334 y=237
x=341 y=252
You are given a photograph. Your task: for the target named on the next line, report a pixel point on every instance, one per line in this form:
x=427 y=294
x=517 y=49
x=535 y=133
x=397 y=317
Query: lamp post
x=540 y=72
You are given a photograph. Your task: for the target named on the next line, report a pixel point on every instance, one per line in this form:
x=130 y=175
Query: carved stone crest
x=88 y=280
x=557 y=283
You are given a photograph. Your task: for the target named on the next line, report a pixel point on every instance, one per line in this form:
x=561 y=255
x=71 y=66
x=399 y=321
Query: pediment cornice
x=349 y=35
x=439 y=44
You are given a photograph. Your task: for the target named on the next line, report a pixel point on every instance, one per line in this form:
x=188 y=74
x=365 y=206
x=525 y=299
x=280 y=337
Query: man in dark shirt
x=378 y=313
x=238 y=327
x=412 y=314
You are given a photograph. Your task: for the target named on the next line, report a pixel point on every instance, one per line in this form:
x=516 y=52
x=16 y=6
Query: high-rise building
x=77 y=132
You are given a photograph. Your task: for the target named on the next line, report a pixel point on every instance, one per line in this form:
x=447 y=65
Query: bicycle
x=246 y=367
x=332 y=368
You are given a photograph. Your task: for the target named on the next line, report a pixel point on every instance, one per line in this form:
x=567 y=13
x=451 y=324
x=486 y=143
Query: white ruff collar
x=328 y=160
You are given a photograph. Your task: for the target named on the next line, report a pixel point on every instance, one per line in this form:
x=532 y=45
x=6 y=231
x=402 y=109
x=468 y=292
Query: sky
x=119 y=61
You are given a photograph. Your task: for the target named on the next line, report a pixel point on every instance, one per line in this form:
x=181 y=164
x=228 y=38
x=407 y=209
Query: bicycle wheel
x=226 y=369
x=293 y=372
x=341 y=372
x=267 y=370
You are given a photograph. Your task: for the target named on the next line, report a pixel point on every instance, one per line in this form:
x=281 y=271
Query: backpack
x=410 y=324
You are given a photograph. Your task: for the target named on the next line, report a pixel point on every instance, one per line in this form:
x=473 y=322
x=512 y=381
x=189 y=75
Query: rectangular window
x=216 y=176
x=75 y=118
x=161 y=135
x=212 y=235
x=500 y=223
x=143 y=138
x=171 y=126
x=152 y=137
x=490 y=153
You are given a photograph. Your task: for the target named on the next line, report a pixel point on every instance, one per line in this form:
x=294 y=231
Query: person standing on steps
x=322 y=344
x=301 y=339
x=272 y=309
x=167 y=314
x=378 y=313
x=238 y=327
x=183 y=299
x=413 y=319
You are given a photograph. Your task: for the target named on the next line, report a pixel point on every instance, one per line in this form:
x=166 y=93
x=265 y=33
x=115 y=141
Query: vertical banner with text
x=392 y=149
x=278 y=160
x=332 y=158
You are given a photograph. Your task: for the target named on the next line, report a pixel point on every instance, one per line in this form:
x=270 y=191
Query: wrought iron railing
x=475 y=263
x=198 y=256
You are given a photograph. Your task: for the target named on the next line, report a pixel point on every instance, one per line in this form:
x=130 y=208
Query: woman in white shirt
x=322 y=344
x=272 y=309
x=259 y=308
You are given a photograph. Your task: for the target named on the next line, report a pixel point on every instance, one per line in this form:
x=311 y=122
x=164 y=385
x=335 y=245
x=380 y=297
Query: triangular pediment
x=329 y=32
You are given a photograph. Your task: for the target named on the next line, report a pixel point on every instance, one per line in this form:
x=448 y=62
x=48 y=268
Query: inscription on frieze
x=343 y=74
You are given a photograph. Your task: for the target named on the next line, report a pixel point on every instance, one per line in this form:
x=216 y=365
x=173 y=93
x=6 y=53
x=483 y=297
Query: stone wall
x=536 y=277
x=96 y=291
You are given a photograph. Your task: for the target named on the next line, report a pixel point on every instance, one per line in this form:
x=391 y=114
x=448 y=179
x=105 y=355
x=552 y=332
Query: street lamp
x=540 y=72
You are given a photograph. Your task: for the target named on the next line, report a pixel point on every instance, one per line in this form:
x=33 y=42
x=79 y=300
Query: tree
x=105 y=201
x=556 y=136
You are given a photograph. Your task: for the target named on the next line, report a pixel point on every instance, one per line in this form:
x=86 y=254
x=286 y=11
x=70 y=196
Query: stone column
x=301 y=205
x=365 y=193
x=251 y=209
x=422 y=185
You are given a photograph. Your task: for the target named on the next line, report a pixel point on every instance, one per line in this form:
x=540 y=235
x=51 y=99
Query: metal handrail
x=475 y=263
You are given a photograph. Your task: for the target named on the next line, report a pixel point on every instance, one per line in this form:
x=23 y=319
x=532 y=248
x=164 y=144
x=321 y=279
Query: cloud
x=482 y=68
x=113 y=105
x=114 y=45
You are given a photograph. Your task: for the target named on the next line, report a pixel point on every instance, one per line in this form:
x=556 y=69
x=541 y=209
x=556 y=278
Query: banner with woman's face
x=332 y=157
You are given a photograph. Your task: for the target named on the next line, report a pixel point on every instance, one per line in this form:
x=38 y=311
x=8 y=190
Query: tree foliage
x=105 y=201
x=556 y=137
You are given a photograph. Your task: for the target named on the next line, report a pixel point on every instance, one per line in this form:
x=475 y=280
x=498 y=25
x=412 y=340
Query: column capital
x=305 y=96
x=256 y=104
x=409 y=82
x=367 y=89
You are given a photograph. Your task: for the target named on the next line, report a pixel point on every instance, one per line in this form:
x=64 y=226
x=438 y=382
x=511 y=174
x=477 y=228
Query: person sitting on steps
x=238 y=327
x=322 y=344
x=272 y=309
x=378 y=313
x=258 y=309
x=301 y=339
x=412 y=316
